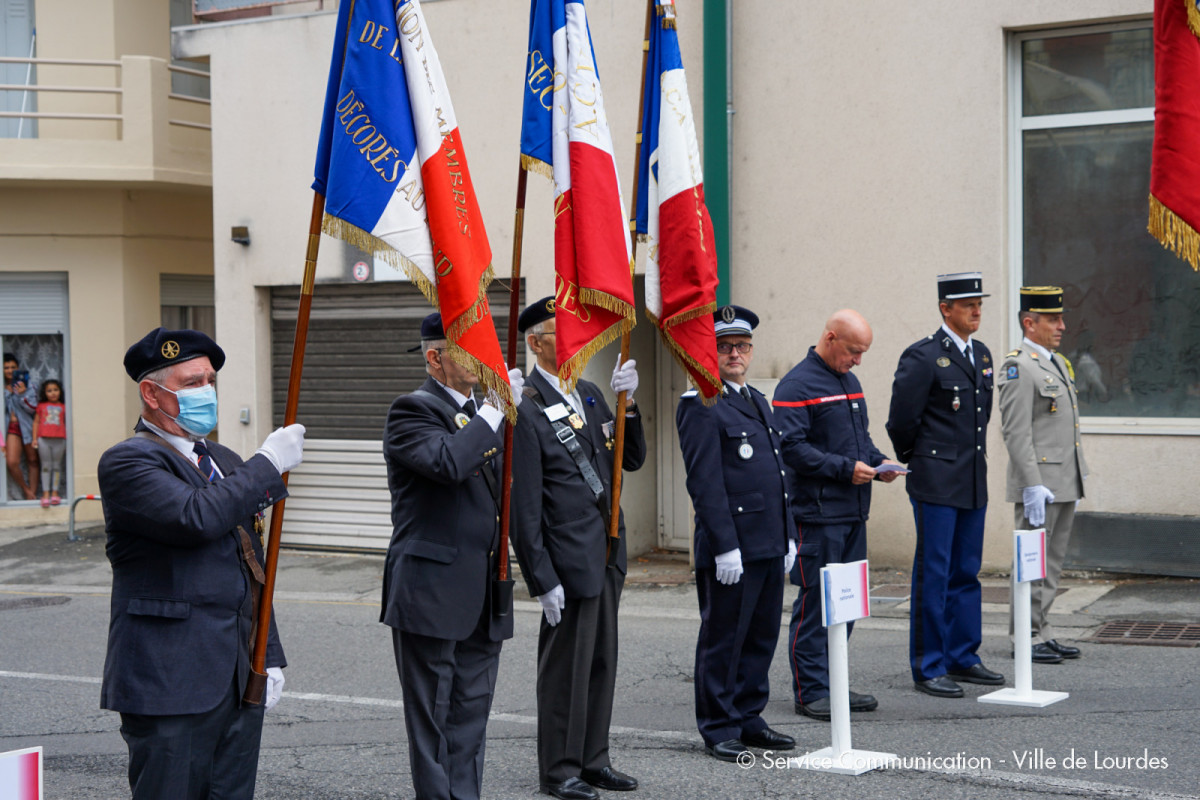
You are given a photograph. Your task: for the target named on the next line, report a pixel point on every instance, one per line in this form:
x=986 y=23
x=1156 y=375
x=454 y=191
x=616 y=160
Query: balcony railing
x=119 y=117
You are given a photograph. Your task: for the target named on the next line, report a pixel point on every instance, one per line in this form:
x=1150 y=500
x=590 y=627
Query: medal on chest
x=1053 y=404
x=745 y=451
x=575 y=421
x=956 y=403
x=461 y=419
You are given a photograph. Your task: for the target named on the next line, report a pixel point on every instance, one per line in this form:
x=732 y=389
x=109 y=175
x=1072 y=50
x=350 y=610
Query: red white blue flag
x=681 y=256
x=391 y=165
x=565 y=135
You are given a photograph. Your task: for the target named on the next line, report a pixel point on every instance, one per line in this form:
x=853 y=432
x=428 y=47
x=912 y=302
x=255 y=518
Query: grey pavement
x=1130 y=725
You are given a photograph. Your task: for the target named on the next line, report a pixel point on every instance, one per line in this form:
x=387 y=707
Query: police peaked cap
x=535 y=312
x=161 y=348
x=959 y=285
x=730 y=320
x=1042 y=299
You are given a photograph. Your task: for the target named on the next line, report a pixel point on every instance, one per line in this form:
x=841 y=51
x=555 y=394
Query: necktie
x=745 y=393
x=469 y=407
x=207 y=468
x=970 y=354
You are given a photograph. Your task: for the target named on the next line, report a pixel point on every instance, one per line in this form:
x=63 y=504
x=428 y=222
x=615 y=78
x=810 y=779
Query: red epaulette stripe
x=833 y=398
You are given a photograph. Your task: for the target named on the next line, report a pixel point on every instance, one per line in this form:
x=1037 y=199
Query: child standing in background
x=50 y=438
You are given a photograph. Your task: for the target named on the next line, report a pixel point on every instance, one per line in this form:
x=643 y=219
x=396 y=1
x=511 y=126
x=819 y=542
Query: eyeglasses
x=725 y=348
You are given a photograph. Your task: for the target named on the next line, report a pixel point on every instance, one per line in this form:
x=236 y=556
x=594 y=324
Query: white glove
x=284 y=447
x=515 y=380
x=1035 y=499
x=729 y=567
x=553 y=602
x=789 y=558
x=274 y=687
x=624 y=378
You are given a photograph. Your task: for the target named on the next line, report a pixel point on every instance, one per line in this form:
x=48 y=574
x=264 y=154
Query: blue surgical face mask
x=197 y=409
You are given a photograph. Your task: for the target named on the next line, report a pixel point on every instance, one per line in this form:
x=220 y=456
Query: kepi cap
x=959 y=285
x=535 y=312
x=729 y=320
x=1042 y=299
x=162 y=347
x=431 y=329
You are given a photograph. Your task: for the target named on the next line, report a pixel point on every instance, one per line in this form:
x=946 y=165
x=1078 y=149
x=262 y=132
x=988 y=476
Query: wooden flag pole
x=514 y=310
x=614 y=531
x=258 y=674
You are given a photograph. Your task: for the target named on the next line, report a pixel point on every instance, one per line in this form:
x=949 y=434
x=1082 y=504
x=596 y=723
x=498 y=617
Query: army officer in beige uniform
x=1040 y=420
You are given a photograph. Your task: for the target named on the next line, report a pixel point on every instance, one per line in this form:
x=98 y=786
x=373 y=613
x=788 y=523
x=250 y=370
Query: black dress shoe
x=817 y=709
x=608 y=778
x=978 y=674
x=768 y=739
x=941 y=686
x=572 y=789
x=728 y=750
x=1064 y=650
x=863 y=702
x=1044 y=654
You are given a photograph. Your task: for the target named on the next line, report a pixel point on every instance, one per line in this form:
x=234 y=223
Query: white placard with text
x=845 y=592
x=1031 y=555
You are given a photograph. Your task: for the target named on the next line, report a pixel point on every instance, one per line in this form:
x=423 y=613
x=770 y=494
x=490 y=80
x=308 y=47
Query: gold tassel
x=1193 y=14
x=595 y=297
x=531 y=164
x=491 y=381
x=685 y=359
x=1174 y=233
x=575 y=364
x=685 y=316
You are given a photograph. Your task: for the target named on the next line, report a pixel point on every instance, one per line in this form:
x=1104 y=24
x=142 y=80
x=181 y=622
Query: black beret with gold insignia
x=535 y=312
x=162 y=347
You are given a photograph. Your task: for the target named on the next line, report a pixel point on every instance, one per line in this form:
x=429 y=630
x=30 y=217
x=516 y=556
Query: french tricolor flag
x=391 y=166
x=681 y=256
x=565 y=134
x=21 y=774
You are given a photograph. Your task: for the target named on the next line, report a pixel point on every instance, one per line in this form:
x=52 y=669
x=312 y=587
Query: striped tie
x=207 y=468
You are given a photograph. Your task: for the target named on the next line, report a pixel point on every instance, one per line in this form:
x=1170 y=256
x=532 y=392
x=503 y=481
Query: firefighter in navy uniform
x=941 y=404
x=745 y=542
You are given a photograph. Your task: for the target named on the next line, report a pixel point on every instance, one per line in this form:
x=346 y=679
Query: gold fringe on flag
x=685 y=358
x=531 y=164
x=1173 y=233
x=577 y=362
x=1193 y=14
x=685 y=316
x=490 y=380
x=340 y=229
x=667 y=12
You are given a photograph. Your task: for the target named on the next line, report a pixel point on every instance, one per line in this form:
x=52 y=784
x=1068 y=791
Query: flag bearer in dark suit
x=822 y=418
x=745 y=542
x=941 y=404
x=181 y=515
x=562 y=471
x=1039 y=415
x=442 y=461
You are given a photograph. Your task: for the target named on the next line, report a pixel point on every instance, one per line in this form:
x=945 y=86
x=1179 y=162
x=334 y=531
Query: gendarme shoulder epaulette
x=1014 y=353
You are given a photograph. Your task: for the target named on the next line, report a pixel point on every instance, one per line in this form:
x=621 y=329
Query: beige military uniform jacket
x=1039 y=414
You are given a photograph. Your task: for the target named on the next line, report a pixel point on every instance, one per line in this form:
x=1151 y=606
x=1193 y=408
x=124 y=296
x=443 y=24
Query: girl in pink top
x=50 y=438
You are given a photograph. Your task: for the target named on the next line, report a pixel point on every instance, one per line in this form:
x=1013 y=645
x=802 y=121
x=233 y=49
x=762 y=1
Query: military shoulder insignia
x=461 y=419
x=689 y=393
x=986 y=360
x=943 y=361
x=1011 y=372
x=1070 y=369
x=1014 y=353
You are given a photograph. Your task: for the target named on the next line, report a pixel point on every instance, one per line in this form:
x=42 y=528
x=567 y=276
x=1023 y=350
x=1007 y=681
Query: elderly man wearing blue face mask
x=183 y=518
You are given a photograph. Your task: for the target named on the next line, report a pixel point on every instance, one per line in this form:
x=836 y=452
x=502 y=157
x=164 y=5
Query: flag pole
x=614 y=531
x=514 y=310
x=258 y=674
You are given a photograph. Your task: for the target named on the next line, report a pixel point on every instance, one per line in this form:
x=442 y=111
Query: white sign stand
x=843 y=587
x=1028 y=565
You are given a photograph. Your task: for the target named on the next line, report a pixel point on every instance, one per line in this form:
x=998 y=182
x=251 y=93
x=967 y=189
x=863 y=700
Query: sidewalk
x=37 y=558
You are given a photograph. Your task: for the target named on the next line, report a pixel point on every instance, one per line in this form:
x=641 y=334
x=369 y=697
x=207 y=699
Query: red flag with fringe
x=1175 y=164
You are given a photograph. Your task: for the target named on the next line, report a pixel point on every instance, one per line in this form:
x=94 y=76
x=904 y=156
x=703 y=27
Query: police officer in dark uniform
x=941 y=404
x=183 y=518
x=823 y=422
x=442 y=459
x=745 y=541
x=562 y=471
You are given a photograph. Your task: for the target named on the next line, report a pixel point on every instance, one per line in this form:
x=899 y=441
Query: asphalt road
x=339 y=733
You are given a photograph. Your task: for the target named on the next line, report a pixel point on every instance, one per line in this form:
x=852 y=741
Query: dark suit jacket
x=445 y=520
x=181 y=604
x=739 y=502
x=946 y=448
x=558 y=532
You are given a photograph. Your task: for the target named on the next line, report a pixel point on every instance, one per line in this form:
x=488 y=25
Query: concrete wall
x=869 y=154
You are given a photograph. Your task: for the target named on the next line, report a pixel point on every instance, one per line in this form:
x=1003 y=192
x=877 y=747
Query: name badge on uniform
x=461 y=419
x=556 y=412
x=745 y=451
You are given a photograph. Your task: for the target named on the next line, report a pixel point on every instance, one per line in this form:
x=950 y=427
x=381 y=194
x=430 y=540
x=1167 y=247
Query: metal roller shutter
x=356 y=363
